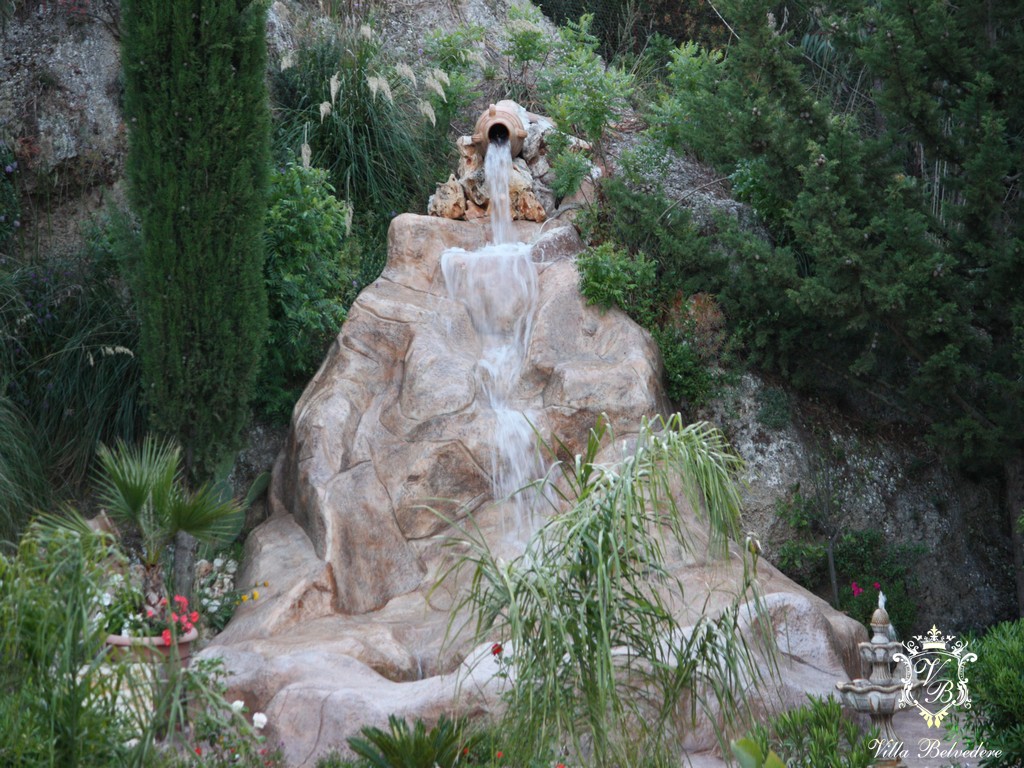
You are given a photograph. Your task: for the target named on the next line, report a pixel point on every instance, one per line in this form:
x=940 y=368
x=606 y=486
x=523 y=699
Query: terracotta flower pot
x=499 y=122
x=153 y=649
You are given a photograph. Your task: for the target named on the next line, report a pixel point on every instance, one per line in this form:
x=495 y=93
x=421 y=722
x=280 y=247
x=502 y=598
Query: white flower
x=259 y=721
x=231 y=566
x=218 y=563
x=107 y=598
x=237 y=705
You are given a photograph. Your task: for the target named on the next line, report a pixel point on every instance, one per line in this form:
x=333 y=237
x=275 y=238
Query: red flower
x=182 y=601
x=199 y=751
x=496 y=649
x=166 y=635
x=560 y=765
x=499 y=754
x=877 y=585
x=193 y=617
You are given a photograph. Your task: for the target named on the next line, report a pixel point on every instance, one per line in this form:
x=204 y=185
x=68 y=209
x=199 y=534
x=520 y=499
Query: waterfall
x=498 y=174
x=497 y=285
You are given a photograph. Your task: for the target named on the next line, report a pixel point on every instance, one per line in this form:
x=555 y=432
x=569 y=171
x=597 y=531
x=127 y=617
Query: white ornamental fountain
x=879 y=694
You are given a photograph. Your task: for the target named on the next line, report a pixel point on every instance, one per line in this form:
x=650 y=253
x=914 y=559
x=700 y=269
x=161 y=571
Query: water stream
x=497 y=284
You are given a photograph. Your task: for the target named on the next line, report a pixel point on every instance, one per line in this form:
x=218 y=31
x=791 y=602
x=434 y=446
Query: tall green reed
x=587 y=617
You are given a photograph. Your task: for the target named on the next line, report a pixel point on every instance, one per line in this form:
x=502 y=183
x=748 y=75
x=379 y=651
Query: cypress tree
x=198 y=160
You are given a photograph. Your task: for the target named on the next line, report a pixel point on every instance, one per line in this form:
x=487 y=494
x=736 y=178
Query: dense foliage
x=996 y=716
x=817 y=735
x=311 y=275
x=69 y=374
x=379 y=126
x=881 y=145
x=198 y=117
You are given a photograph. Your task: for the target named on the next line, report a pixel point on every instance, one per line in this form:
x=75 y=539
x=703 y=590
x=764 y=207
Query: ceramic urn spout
x=498 y=123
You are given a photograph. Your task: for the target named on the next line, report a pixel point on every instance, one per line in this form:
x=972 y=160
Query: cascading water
x=498 y=175
x=498 y=286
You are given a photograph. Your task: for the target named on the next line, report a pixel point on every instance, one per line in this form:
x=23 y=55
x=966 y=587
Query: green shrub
x=10 y=206
x=527 y=48
x=382 y=136
x=996 y=716
x=593 y=580
x=610 y=277
x=333 y=759
x=23 y=482
x=773 y=408
x=310 y=276
x=59 y=705
x=866 y=558
x=688 y=375
x=579 y=91
x=569 y=164
x=816 y=735
x=401 y=747
x=68 y=342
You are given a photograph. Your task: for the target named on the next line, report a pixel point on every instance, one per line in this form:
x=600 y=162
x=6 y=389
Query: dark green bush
x=23 y=483
x=646 y=289
x=10 y=206
x=816 y=735
x=69 y=339
x=610 y=277
x=866 y=558
x=310 y=273
x=996 y=716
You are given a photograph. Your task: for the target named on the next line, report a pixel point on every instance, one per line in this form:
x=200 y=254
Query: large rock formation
x=390 y=440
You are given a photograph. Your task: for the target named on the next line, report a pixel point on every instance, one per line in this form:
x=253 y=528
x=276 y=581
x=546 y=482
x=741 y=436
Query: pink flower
x=166 y=636
x=877 y=585
x=856 y=589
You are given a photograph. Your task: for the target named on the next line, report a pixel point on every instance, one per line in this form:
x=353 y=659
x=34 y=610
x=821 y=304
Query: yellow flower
x=244 y=598
x=255 y=595
x=266 y=583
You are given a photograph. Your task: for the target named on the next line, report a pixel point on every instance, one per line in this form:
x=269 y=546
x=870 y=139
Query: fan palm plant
x=143 y=488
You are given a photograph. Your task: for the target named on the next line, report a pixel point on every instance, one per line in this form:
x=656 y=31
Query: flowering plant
x=123 y=611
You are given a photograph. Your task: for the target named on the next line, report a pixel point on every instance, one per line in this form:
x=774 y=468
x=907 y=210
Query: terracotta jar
x=500 y=122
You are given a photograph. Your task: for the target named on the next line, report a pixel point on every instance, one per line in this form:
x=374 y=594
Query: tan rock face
x=392 y=423
x=390 y=441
